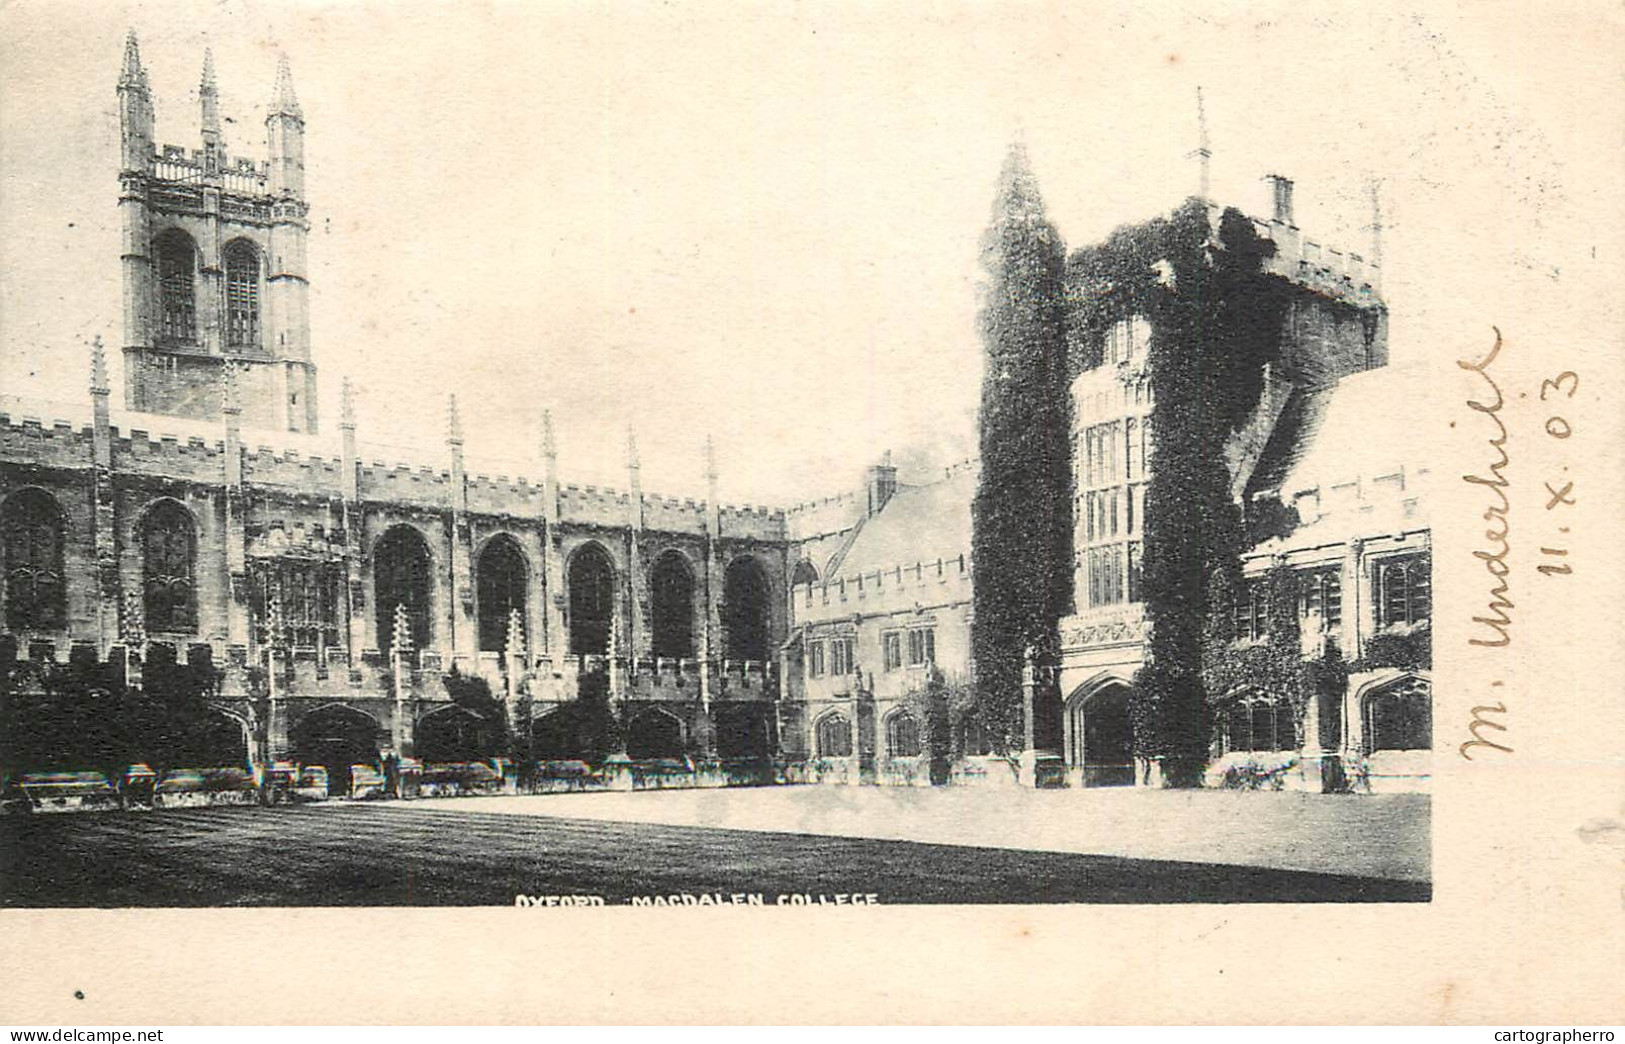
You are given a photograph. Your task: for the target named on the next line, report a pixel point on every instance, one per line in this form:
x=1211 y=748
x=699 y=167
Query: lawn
x=468 y=853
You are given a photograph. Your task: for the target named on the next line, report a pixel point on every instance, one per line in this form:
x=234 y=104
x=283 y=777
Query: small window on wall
x=891 y=649
x=1250 y=616
x=1320 y=593
x=843 y=656
x=815 y=659
x=922 y=647
x=1259 y=723
x=1402 y=590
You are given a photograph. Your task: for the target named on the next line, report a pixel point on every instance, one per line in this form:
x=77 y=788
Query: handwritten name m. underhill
x=1494 y=628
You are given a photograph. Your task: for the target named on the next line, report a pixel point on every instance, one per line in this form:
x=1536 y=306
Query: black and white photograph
x=835 y=457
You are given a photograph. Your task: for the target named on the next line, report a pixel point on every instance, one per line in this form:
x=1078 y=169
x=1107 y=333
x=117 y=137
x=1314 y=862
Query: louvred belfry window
x=242 y=296
x=35 y=595
x=178 y=301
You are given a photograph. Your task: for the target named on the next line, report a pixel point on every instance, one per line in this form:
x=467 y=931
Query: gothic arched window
x=502 y=585
x=242 y=295
x=1399 y=716
x=746 y=605
x=169 y=564
x=1403 y=594
x=401 y=576
x=592 y=601
x=834 y=737
x=177 y=268
x=1255 y=722
x=673 y=607
x=36 y=598
x=902 y=736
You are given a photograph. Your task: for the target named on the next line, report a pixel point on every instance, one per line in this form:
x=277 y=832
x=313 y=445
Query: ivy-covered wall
x=1217 y=320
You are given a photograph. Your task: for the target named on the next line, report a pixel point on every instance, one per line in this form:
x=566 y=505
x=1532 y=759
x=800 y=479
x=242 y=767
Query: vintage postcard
x=837 y=512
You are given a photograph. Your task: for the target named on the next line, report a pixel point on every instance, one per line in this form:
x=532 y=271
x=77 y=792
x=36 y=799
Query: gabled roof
x=918 y=524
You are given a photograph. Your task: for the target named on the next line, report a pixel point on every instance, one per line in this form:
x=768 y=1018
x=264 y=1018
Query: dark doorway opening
x=336 y=738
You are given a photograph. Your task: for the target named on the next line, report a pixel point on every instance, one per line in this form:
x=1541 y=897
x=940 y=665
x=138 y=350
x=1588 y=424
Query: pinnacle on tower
x=209 y=102
x=632 y=448
x=98 y=368
x=132 y=75
x=283 y=100
x=550 y=448
x=347 y=404
x=454 y=422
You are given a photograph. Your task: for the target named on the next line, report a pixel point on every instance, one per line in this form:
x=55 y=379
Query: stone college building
x=348 y=604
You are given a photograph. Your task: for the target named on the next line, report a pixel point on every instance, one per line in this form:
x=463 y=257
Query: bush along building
x=229 y=603
x=1249 y=590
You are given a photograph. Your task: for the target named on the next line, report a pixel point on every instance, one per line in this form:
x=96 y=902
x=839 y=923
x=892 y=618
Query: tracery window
x=35 y=593
x=1399 y=716
x=815 y=659
x=296 y=603
x=177 y=266
x=1110 y=508
x=501 y=586
x=169 y=562
x=402 y=576
x=1256 y=722
x=1321 y=593
x=1402 y=590
x=834 y=737
x=843 y=655
x=902 y=736
x=1250 y=612
x=242 y=296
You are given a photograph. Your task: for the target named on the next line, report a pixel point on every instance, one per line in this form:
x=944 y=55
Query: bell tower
x=214 y=260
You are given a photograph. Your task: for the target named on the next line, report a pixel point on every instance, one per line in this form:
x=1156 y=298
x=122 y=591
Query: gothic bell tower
x=214 y=261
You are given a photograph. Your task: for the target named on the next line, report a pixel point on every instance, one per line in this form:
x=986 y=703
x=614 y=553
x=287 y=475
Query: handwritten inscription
x=1493 y=628
x=1496 y=627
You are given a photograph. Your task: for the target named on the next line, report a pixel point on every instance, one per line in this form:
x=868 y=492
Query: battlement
x=1343 y=276
x=881 y=584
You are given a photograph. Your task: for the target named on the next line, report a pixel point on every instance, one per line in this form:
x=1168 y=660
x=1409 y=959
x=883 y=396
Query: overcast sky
x=762 y=220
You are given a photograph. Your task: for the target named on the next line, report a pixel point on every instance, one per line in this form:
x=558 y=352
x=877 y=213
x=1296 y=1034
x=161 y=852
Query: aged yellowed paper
x=836 y=513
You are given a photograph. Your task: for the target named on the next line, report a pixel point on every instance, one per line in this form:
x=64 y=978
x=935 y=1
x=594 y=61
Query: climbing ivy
x=1217 y=320
x=1021 y=547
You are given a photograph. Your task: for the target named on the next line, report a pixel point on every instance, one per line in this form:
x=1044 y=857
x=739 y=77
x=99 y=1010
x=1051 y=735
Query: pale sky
x=760 y=220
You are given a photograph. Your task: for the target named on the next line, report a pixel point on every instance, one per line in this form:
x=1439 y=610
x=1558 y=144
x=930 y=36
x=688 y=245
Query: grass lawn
x=484 y=852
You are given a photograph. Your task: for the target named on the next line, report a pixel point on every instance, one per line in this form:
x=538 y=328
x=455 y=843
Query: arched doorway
x=456 y=734
x=1100 y=735
x=402 y=575
x=591 y=582
x=746 y=610
x=501 y=589
x=336 y=737
x=654 y=734
x=672 y=608
x=1398 y=715
x=216 y=741
x=744 y=731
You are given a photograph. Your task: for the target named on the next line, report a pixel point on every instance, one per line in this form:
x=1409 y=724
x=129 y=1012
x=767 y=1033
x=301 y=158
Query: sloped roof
x=1366 y=425
x=1359 y=450
x=918 y=524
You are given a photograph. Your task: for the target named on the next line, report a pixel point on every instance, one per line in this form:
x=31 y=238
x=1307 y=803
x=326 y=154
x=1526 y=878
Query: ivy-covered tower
x=1021 y=519
x=214 y=261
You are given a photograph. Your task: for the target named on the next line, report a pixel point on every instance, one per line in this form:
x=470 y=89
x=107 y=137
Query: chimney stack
x=882 y=484
x=1282 y=190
